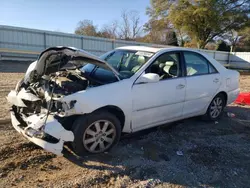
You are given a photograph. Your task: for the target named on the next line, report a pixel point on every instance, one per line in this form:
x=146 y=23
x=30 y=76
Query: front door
x=156 y=103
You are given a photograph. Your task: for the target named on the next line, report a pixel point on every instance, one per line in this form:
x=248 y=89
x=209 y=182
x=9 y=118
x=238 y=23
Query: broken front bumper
x=50 y=135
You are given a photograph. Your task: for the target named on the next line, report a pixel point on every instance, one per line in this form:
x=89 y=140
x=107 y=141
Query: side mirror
x=148 y=78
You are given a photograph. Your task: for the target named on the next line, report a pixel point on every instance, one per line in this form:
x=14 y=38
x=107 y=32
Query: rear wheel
x=96 y=133
x=216 y=107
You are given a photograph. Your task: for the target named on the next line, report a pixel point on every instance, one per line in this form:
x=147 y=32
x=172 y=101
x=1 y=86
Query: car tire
x=96 y=133
x=215 y=108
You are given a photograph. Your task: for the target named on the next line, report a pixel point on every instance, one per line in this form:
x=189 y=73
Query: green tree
x=244 y=40
x=159 y=24
x=211 y=46
x=158 y=27
x=167 y=37
x=86 y=27
x=202 y=20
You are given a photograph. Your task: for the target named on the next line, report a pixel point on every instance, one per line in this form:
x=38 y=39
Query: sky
x=63 y=15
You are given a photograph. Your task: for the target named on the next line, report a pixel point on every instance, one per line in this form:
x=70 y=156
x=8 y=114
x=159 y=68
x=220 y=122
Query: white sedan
x=69 y=95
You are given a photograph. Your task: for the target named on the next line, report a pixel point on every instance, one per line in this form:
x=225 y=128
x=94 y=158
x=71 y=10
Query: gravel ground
x=188 y=153
x=245 y=83
x=8 y=81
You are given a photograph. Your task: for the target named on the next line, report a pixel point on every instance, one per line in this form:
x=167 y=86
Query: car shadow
x=189 y=153
x=106 y=157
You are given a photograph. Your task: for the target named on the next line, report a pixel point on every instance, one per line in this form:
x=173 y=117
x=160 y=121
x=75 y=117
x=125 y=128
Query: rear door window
x=196 y=64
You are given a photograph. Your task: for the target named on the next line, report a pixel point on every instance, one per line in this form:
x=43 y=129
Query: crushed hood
x=54 y=58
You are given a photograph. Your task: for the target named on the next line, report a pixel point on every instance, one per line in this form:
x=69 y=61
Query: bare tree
x=135 y=22
x=130 y=26
x=110 y=30
x=125 y=26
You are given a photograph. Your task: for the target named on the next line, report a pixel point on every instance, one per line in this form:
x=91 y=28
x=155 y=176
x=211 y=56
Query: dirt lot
x=215 y=154
x=8 y=81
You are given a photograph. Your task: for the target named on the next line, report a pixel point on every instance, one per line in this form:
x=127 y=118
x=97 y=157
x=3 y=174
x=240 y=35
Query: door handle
x=216 y=80
x=180 y=86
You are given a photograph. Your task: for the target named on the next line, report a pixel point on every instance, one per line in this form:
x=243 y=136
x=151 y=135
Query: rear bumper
x=52 y=128
x=232 y=95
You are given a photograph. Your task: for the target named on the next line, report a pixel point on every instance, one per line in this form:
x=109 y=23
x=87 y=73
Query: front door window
x=167 y=66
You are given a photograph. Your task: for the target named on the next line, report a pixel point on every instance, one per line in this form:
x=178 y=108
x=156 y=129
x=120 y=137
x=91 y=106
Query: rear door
x=202 y=80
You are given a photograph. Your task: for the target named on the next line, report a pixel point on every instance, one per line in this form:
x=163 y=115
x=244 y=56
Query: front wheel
x=96 y=133
x=216 y=107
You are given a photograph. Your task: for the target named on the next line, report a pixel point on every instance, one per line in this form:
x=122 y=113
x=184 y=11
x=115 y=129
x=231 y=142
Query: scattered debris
x=231 y=115
x=180 y=153
x=21 y=178
x=153 y=182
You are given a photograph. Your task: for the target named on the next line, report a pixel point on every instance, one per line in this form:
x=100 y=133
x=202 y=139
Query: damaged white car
x=69 y=95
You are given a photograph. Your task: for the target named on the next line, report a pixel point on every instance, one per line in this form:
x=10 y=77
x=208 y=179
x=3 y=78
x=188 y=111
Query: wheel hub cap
x=216 y=107
x=99 y=136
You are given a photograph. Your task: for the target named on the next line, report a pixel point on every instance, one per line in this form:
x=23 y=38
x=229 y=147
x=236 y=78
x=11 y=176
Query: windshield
x=126 y=62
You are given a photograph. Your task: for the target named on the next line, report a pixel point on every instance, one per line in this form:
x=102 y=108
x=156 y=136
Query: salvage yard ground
x=215 y=154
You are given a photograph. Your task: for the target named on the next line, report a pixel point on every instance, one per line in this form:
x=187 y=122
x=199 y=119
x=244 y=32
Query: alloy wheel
x=216 y=107
x=99 y=136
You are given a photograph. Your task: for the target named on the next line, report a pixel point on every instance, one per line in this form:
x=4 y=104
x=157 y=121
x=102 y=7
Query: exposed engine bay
x=50 y=88
x=60 y=84
x=53 y=76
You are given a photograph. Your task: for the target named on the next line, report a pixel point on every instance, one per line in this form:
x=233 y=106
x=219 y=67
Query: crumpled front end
x=37 y=101
x=41 y=128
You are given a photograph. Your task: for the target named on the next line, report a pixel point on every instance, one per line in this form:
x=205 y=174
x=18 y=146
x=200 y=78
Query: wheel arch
x=224 y=94
x=115 y=111
x=206 y=116
x=220 y=92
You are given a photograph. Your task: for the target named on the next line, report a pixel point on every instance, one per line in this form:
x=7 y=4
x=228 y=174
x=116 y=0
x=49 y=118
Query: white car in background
x=69 y=95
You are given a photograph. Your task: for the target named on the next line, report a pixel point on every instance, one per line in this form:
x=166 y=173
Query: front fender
x=115 y=94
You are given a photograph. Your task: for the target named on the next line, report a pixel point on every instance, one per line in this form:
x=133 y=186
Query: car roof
x=154 y=49
x=141 y=48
